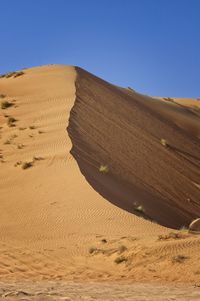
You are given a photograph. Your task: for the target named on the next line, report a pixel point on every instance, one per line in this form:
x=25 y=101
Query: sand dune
x=124 y=131
x=85 y=180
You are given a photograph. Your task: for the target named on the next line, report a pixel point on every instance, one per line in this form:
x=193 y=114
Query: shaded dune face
x=122 y=130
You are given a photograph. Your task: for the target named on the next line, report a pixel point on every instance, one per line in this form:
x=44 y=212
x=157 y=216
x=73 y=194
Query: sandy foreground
x=44 y=291
x=62 y=219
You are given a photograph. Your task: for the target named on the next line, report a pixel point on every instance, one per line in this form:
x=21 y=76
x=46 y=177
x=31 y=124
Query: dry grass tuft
x=122 y=249
x=179 y=258
x=104 y=169
x=12 y=74
x=6 y=104
x=26 y=165
x=32 y=127
x=11 y=121
x=120 y=259
x=139 y=209
x=164 y=142
x=172 y=235
x=93 y=250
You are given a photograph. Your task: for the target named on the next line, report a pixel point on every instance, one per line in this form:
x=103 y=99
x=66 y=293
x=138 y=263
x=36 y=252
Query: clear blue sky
x=150 y=45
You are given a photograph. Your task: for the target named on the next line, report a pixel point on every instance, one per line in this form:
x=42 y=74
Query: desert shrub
x=12 y=74
x=20 y=146
x=7 y=142
x=5 y=104
x=93 y=250
x=164 y=142
x=104 y=169
x=9 y=74
x=26 y=165
x=122 y=249
x=139 y=209
x=37 y=158
x=2 y=95
x=129 y=88
x=184 y=229
x=18 y=163
x=31 y=127
x=172 y=235
x=120 y=259
x=168 y=99
x=18 y=73
x=179 y=258
x=11 y=121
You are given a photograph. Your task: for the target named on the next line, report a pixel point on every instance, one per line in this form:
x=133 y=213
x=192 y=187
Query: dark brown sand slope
x=122 y=130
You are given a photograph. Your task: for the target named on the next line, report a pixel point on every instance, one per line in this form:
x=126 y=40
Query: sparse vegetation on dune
x=20 y=146
x=168 y=99
x=179 y=258
x=172 y=235
x=37 y=158
x=164 y=142
x=18 y=163
x=22 y=128
x=104 y=169
x=11 y=121
x=93 y=250
x=120 y=259
x=2 y=95
x=13 y=74
x=31 y=127
x=122 y=249
x=7 y=141
x=26 y=165
x=139 y=209
x=6 y=104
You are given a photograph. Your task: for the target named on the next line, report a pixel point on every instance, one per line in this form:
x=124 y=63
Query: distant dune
x=93 y=178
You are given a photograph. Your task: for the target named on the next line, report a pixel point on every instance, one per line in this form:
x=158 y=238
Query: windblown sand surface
x=61 y=218
x=70 y=291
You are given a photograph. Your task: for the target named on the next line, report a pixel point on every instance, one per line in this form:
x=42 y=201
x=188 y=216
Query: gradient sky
x=152 y=46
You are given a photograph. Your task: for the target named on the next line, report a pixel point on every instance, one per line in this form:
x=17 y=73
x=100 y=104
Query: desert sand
x=97 y=182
